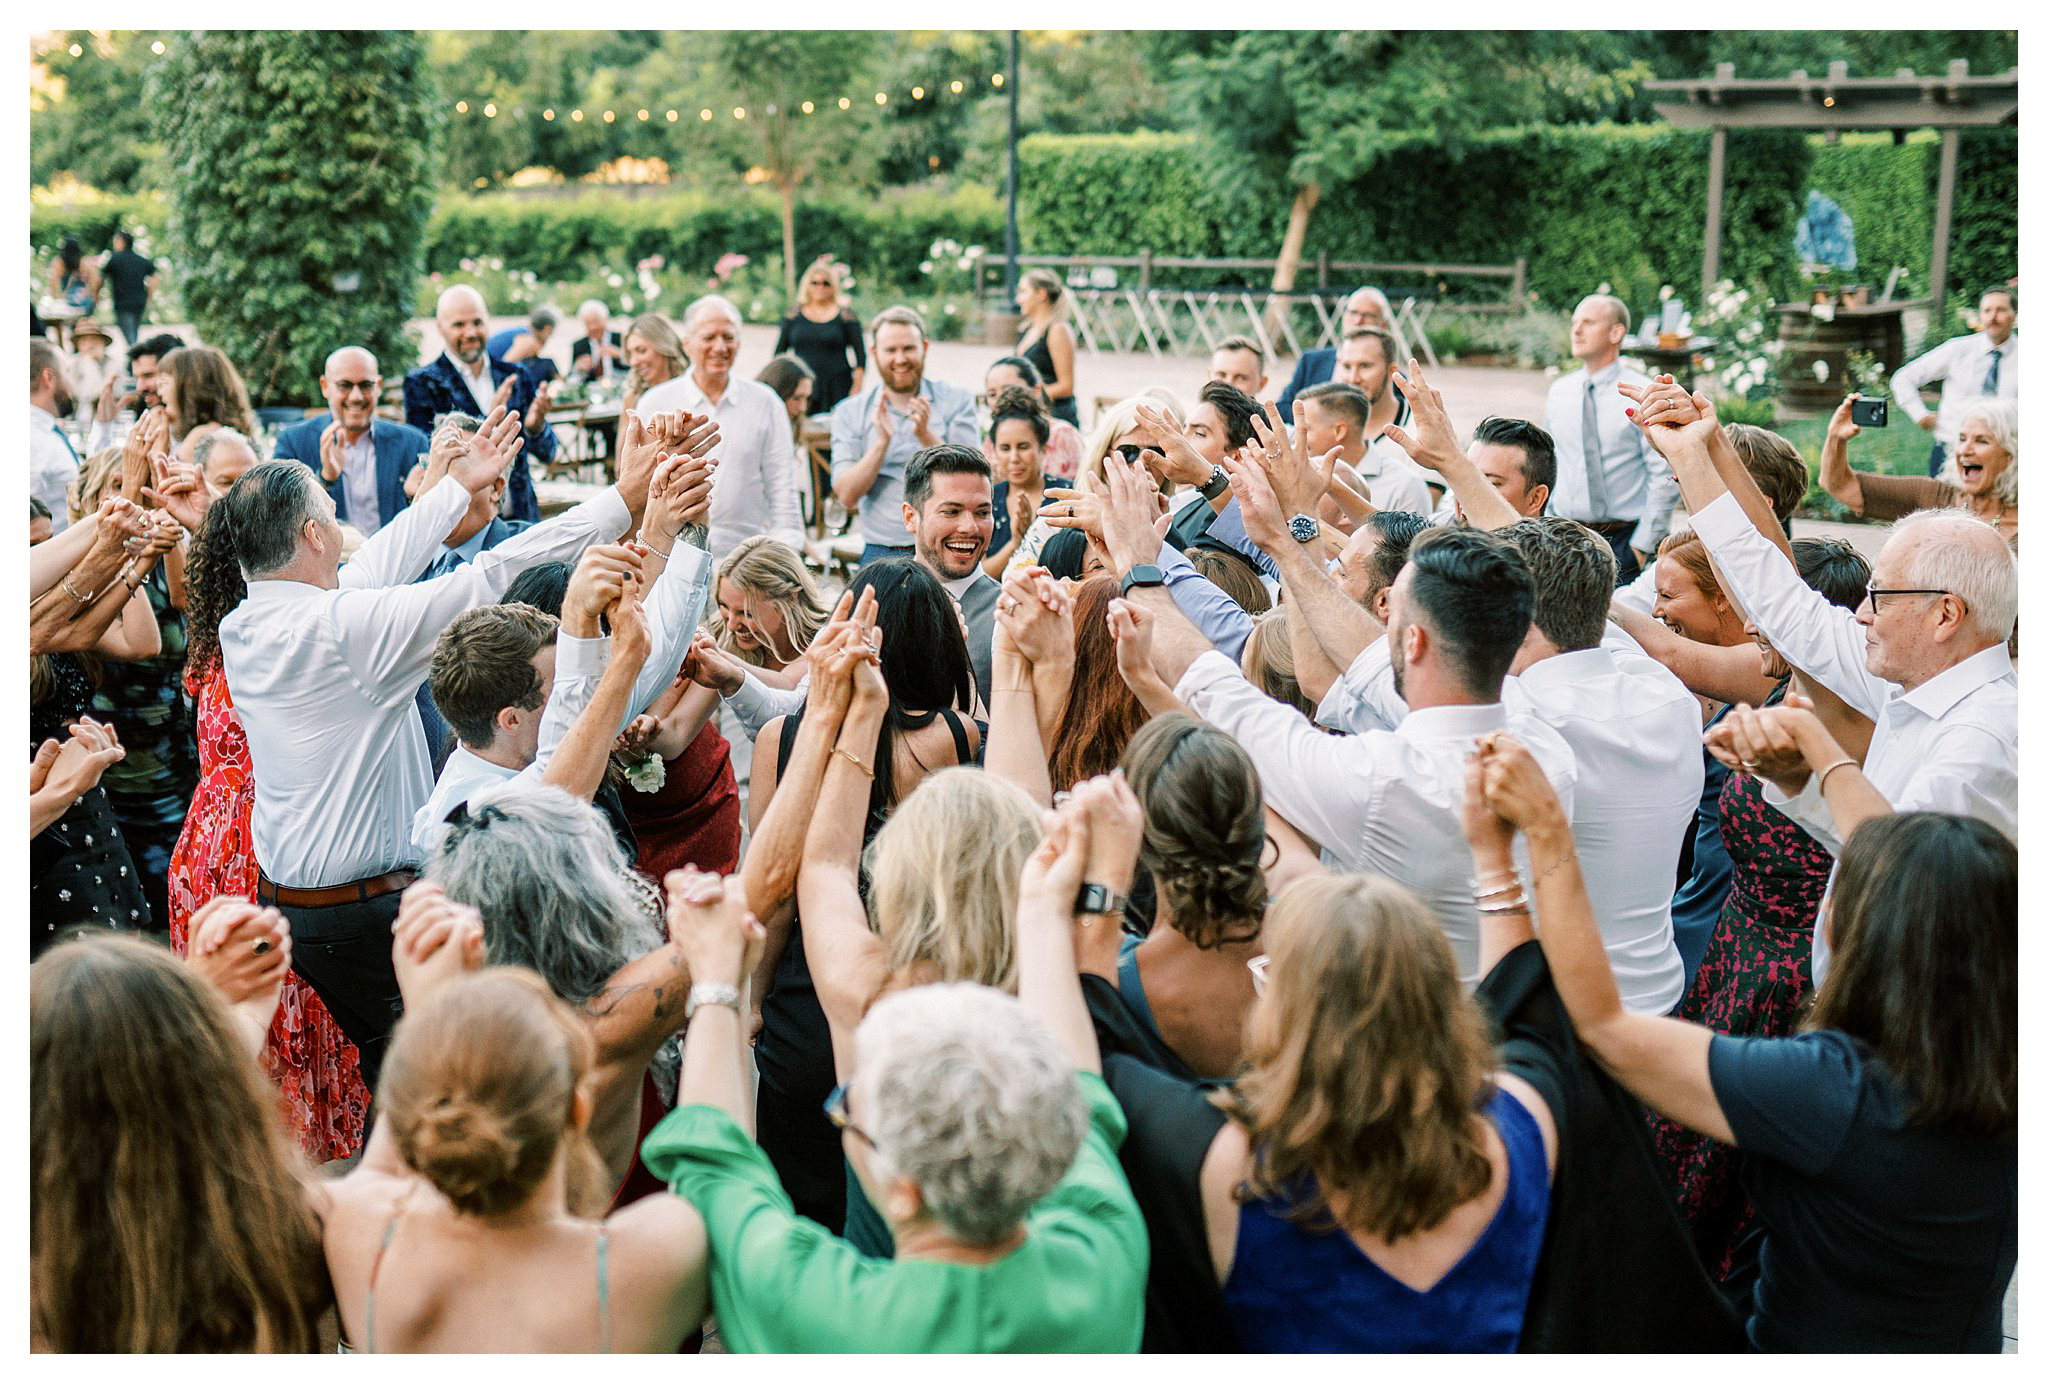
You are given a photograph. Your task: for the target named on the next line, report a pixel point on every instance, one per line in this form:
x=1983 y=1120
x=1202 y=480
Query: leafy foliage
x=299 y=184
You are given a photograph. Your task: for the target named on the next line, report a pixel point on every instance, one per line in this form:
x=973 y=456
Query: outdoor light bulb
x=76 y=51
x=704 y=114
x=610 y=116
x=462 y=108
x=672 y=117
x=997 y=79
x=808 y=108
x=917 y=93
x=490 y=109
x=959 y=87
x=575 y=115
x=881 y=98
x=1827 y=101
x=739 y=112
x=846 y=103
x=548 y=114
x=643 y=115
x=157 y=47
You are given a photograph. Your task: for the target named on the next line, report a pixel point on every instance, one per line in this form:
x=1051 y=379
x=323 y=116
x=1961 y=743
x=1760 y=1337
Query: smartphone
x=1871 y=413
x=124 y=386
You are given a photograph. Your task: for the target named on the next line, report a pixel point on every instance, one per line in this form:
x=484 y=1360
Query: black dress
x=824 y=346
x=80 y=874
x=1039 y=353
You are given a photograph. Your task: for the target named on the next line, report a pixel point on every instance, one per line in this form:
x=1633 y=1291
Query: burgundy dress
x=314 y=1064
x=694 y=817
x=1752 y=983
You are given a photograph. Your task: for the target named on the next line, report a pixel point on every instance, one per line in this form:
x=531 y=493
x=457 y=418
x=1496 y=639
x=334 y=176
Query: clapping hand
x=920 y=411
x=502 y=398
x=537 y=411
x=490 y=450
x=434 y=940
x=885 y=418
x=1298 y=482
x=710 y=924
x=1434 y=445
x=179 y=490
x=244 y=952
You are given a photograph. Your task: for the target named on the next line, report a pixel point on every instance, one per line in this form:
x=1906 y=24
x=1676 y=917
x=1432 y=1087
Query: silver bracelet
x=642 y=537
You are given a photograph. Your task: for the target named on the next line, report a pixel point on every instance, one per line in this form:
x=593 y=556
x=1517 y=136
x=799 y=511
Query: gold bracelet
x=853 y=759
x=1822 y=783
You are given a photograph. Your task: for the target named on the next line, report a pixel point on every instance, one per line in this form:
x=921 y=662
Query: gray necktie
x=1596 y=468
x=1991 y=375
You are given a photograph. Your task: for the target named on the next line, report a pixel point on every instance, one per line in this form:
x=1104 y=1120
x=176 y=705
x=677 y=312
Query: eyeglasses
x=1132 y=452
x=1871 y=593
x=1257 y=966
x=835 y=1111
x=354 y=386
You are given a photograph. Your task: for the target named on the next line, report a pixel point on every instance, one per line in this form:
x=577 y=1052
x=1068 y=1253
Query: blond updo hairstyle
x=1205 y=827
x=479 y=1086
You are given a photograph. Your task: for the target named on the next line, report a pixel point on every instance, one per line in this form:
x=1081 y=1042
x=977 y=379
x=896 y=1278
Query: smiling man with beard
x=949 y=509
x=52 y=460
x=464 y=379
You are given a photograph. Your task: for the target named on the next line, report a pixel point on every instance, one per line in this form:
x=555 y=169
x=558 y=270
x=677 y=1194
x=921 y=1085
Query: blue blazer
x=435 y=389
x=396 y=445
x=1314 y=368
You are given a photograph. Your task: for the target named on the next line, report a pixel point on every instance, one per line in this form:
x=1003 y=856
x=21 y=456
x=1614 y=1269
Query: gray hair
x=543 y=318
x=2002 y=417
x=711 y=302
x=263 y=512
x=202 y=451
x=971 y=1098
x=1957 y=552
x=555 y=891
x=596 y=305
x=461 y=422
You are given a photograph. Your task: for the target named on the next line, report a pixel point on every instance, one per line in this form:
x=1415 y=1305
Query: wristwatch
x=1098 y=898
x=710 y=992
x=1304 y=528
x=1144 y=574
x=1219 y=481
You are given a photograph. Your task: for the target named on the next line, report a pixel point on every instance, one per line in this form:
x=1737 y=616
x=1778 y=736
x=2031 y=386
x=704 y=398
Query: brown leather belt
x=359 y=891
x=1607 y=526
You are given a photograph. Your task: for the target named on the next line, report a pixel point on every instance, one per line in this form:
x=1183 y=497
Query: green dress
x=782 y=1283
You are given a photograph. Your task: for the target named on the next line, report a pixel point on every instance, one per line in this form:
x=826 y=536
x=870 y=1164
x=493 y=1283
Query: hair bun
x=1016 y=399
x=463 y=1148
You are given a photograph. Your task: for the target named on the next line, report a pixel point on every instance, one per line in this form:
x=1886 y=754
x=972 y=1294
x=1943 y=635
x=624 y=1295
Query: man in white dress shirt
x=1385 y=801
x=1337 y=416
x=756 y=490
x=1634 y=733
x=324 y=662
x=1984 y=364
x=1608 y=477
x=1925 y=657
x=52 y=460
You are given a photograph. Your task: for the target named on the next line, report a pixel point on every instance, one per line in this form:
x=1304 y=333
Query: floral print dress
x=313 y=1063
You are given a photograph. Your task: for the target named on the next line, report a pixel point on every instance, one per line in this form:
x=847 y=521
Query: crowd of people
x=1250 y=876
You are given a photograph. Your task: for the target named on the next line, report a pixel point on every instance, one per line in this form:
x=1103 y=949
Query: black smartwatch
x=1219 y=481
x=1144 y=574
x=1099 y=898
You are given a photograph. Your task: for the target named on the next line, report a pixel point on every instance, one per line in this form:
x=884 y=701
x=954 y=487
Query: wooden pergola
x=1903 y=101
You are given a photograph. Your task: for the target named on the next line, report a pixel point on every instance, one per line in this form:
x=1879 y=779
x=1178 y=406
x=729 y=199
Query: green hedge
x=94 y=222
x=1888 y=191
x=1584 y=204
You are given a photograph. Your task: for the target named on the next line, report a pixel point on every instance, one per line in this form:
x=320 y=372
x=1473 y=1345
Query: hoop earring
x=1263 y=863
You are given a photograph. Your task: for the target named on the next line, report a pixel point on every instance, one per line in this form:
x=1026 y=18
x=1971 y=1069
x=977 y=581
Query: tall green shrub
x=300 y=187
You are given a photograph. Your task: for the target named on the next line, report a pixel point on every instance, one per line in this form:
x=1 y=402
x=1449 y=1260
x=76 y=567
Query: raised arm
x=1339 y=625
x=1684 y=429
x=1048 y=984
x=1032 y=614
x=1836 y=477
x=1435 y=448
x=1731 y=673
x=577 y=764
x=721 y=940
x=1662 y=1062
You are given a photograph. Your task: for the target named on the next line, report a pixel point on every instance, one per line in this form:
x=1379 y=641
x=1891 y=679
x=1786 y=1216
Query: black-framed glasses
x=1871 y=593
x=835 y=1111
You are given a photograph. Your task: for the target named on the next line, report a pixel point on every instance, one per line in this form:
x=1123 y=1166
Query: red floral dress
x=314 y=1065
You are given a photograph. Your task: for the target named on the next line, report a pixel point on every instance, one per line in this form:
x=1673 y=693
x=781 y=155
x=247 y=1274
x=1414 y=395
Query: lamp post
x=1001 y=322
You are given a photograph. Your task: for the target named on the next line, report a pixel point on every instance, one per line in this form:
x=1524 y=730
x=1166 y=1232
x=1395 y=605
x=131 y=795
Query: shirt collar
x=1937 y=696
x=271 y=589
x=468 y=549
x=483 y=362
x=1605 y=374
x=1452 y=722
x=37 y=413
x=1565 y=668
x=957 y=587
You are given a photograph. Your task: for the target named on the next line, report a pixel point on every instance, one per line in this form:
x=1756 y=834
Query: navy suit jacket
x=435 y=388
x=1314 y=368
x=396 y=445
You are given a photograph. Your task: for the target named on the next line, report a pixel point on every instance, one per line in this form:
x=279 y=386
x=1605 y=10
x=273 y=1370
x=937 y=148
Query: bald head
x=459 y=313
x=1599 y=325
x=351 y=384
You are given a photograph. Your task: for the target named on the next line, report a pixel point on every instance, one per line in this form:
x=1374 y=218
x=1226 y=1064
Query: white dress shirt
x=52 y=466
x=1395 y=481
x=1633 y=730
x=755 y=704
x=1640 y=486
x=482 y=387
x=324 y=681
x=1949 y=745
x=1385 y=802
x=755 y=488
x=359 y=481
x=1960 y=363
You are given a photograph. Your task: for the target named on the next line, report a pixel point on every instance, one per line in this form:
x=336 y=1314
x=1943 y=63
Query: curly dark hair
x=1023 y=405
x=1205 y=827
x=214 y=586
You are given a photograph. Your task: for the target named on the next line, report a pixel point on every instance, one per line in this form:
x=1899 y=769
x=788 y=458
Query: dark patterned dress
x=1752 y=984
x=80 y=875
x=313 y=1063
x=151 y=787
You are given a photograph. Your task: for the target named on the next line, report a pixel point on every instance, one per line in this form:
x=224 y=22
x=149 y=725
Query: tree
x=776 y=72
x=300 y=183
x=87 y=116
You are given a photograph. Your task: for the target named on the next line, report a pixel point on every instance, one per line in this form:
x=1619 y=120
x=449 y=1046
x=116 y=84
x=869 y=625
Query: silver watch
x=1304 y=528
x=710 y=992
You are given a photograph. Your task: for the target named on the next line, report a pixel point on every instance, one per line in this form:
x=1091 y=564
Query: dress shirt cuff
x=609 y=513
x=755 y=704
x=1349 y=706
x=1641 y=594
x=1205 y=673
x=1809 y=809
x=1722 y=521
x=577 y=657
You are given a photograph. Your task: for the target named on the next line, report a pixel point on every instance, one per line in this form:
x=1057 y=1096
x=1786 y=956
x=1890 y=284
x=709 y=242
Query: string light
x=462 y=108
x=77 y=51
x=548 y=114
x=610 y=116
x=490 y=110
x=846 y=103
x=704 y=114
x=157 y=47
x=881 y=98
x=959 y=87
x=739 y=112
x=672 y=117
x=643 y=114
x=917 y=93
x=808 y=108
x=576 y=115
x=997 y=79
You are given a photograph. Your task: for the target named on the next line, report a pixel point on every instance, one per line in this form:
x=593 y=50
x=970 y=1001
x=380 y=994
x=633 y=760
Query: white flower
x=497 y=263
x=1820 y=371
x=648 y=774
x=626 y=302
x=966 y=264
x=950 y=309
x=529 y=277
x=1824 y=312
x=614 y=280
x=653 y=292
x=938 y=248
x=924 y=267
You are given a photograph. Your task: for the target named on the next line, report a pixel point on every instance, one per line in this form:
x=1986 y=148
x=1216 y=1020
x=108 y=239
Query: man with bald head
x=362 y=459
x=1368 y=307
x=1608 y=477
x=755 y=491
x=464 y=379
